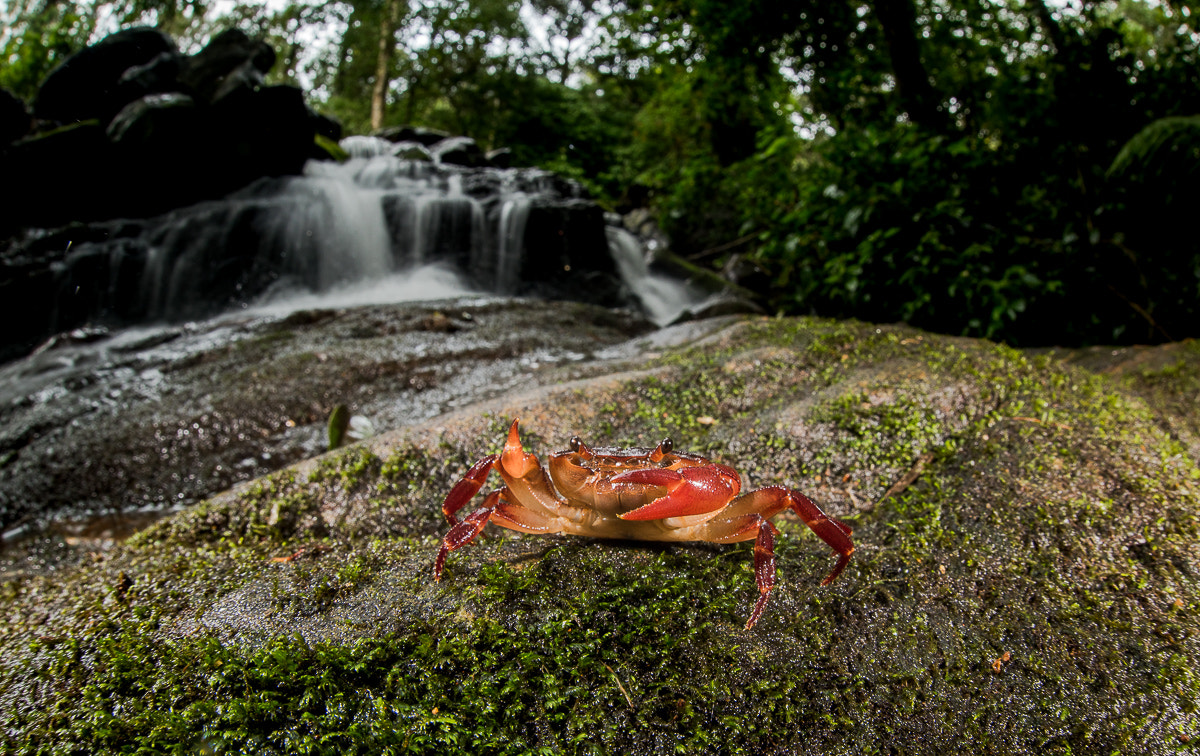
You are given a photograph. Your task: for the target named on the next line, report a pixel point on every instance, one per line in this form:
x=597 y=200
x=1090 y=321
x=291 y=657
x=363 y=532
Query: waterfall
x=509 y=242
x=662 y=297
x=387 y=214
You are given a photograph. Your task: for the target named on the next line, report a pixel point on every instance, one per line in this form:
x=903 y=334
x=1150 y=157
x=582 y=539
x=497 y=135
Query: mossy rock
x=1024 y=580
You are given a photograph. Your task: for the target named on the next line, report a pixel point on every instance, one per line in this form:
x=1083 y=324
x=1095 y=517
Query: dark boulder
x=230 y=61
x=100 y=283
x=419 y=134
x=501 y=158
x=327 y=127
x=412 y=151
x=566 y=254
x=157 y=142
x=264 y=132
x=34 y=273
x=459 y=151
x=88 y=84
x=55 y=177
x=154 y=120
x=158 y=76
x=568 y=235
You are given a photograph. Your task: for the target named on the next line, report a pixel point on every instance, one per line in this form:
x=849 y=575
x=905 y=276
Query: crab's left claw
x=513 y=459
x=690 y=491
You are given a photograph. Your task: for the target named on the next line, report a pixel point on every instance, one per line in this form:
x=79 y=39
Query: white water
x=378 y=223
x=374 y=229
x=422 y=284
x=663 y=298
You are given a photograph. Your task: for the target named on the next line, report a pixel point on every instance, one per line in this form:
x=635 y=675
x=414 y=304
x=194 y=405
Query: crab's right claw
x=689 y=491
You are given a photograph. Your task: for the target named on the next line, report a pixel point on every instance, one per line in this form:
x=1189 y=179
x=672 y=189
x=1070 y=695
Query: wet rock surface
x=1024 y=579
x=100 y=424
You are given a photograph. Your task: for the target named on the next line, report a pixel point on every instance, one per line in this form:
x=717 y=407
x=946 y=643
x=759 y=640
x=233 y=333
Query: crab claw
x=513 y=459
x=690 y=491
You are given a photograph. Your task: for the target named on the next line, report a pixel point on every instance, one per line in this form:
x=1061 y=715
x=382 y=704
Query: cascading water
x=390 y=213
x=514 y=214
x=664 y=298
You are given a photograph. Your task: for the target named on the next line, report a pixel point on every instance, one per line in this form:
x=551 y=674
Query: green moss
x=909 y=427
x=350 y=468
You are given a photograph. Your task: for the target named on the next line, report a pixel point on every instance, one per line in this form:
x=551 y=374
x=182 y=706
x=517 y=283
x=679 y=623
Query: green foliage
x=996 y=223
x=1153 y=191
x=1165 y=152
x=947 y=163
x=39 y=41
x=878 y=234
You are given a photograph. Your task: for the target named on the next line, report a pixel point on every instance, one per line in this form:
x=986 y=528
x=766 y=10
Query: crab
x=643 y=494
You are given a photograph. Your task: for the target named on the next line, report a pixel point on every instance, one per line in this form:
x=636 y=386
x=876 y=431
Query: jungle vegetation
x=1021 y=170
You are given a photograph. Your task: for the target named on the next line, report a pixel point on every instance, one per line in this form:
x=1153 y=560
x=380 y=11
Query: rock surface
x=149 y=419
x=1024 y=580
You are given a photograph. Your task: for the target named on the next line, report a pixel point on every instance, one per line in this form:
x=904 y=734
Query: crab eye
x=579 y=447
x=666 y=445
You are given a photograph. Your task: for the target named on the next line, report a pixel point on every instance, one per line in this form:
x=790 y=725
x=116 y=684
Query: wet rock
x=501 y=158
x=412 y=151
x=95 y=408
x=458 y=151
x=1026 y=539
x=418 y=134
x=567 y=233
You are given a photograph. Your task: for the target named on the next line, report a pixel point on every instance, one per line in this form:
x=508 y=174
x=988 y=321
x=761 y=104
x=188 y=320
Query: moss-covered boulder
x=1025 y=578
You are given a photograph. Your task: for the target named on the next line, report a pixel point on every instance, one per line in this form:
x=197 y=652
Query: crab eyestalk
x=662 y=450
x=576 y=445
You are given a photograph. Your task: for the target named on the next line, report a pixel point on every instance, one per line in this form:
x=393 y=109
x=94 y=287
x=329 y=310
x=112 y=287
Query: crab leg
x=466 y=531
x=764 y=568
x=748 y=516
x=770 y=501
x=465 y=489
x=832 y=531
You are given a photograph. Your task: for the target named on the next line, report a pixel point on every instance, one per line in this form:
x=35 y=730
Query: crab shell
x=643 y=494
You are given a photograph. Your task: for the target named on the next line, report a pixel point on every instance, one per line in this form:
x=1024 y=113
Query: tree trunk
x=388 y=19
x=898 y=18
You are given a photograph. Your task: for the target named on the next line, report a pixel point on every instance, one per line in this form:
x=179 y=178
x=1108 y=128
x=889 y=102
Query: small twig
x=1141 y=311
x=620 y=686
x=907 y=478
x=1064 y=426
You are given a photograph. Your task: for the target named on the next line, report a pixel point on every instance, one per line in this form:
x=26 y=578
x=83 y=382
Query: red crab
x=642 y=494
